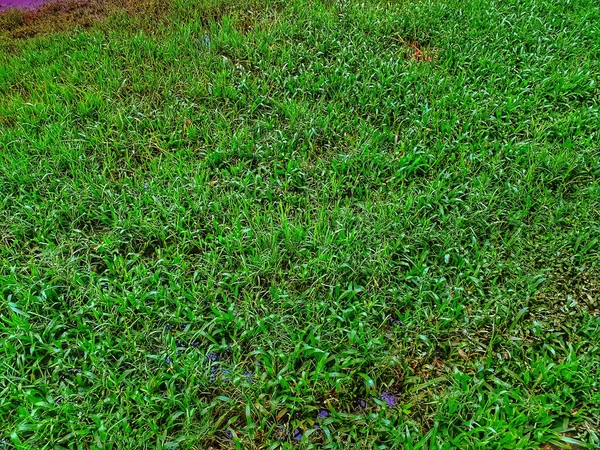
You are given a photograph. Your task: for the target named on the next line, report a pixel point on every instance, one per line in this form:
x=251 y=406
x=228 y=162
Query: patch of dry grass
x=69 y=14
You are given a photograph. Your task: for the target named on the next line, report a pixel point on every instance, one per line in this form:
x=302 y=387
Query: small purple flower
x=212 y=356
x=396 y=320
x=168 y=360
x=360 y=404
x=248 y=376
x=146 y=186
x=389 y=398
x=297 y=436
x=323 y=414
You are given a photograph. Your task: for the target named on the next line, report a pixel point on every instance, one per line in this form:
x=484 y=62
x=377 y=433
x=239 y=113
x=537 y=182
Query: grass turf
x=345 y=224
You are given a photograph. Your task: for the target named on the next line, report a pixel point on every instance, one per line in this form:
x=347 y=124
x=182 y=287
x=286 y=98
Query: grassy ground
x=303 y=224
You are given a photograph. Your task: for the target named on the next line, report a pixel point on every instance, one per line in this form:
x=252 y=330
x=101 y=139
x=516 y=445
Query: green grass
x=215 y=227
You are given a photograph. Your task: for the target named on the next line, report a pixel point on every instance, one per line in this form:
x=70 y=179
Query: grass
x=332 y=224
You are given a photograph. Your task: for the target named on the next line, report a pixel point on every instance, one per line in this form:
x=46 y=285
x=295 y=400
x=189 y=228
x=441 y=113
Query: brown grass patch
x=421 y=54
x=69 y=14
x=417 y=51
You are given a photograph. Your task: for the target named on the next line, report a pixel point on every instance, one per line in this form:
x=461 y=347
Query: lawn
x=260 y=224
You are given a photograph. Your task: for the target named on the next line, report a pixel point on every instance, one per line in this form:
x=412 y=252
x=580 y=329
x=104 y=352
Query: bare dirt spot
x=68 y=14
x=20 y=4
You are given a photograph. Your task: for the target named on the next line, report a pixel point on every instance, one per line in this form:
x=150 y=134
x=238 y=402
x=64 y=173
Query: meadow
x=262 y=224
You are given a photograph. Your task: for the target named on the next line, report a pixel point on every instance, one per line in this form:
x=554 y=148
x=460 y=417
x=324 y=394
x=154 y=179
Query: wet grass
x=343 y=224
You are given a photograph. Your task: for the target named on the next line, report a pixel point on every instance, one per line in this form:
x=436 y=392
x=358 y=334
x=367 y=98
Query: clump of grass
x=261 y=225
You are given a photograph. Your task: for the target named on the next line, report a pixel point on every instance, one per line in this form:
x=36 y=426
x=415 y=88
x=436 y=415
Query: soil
x=26 y=18
x=21 y=4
